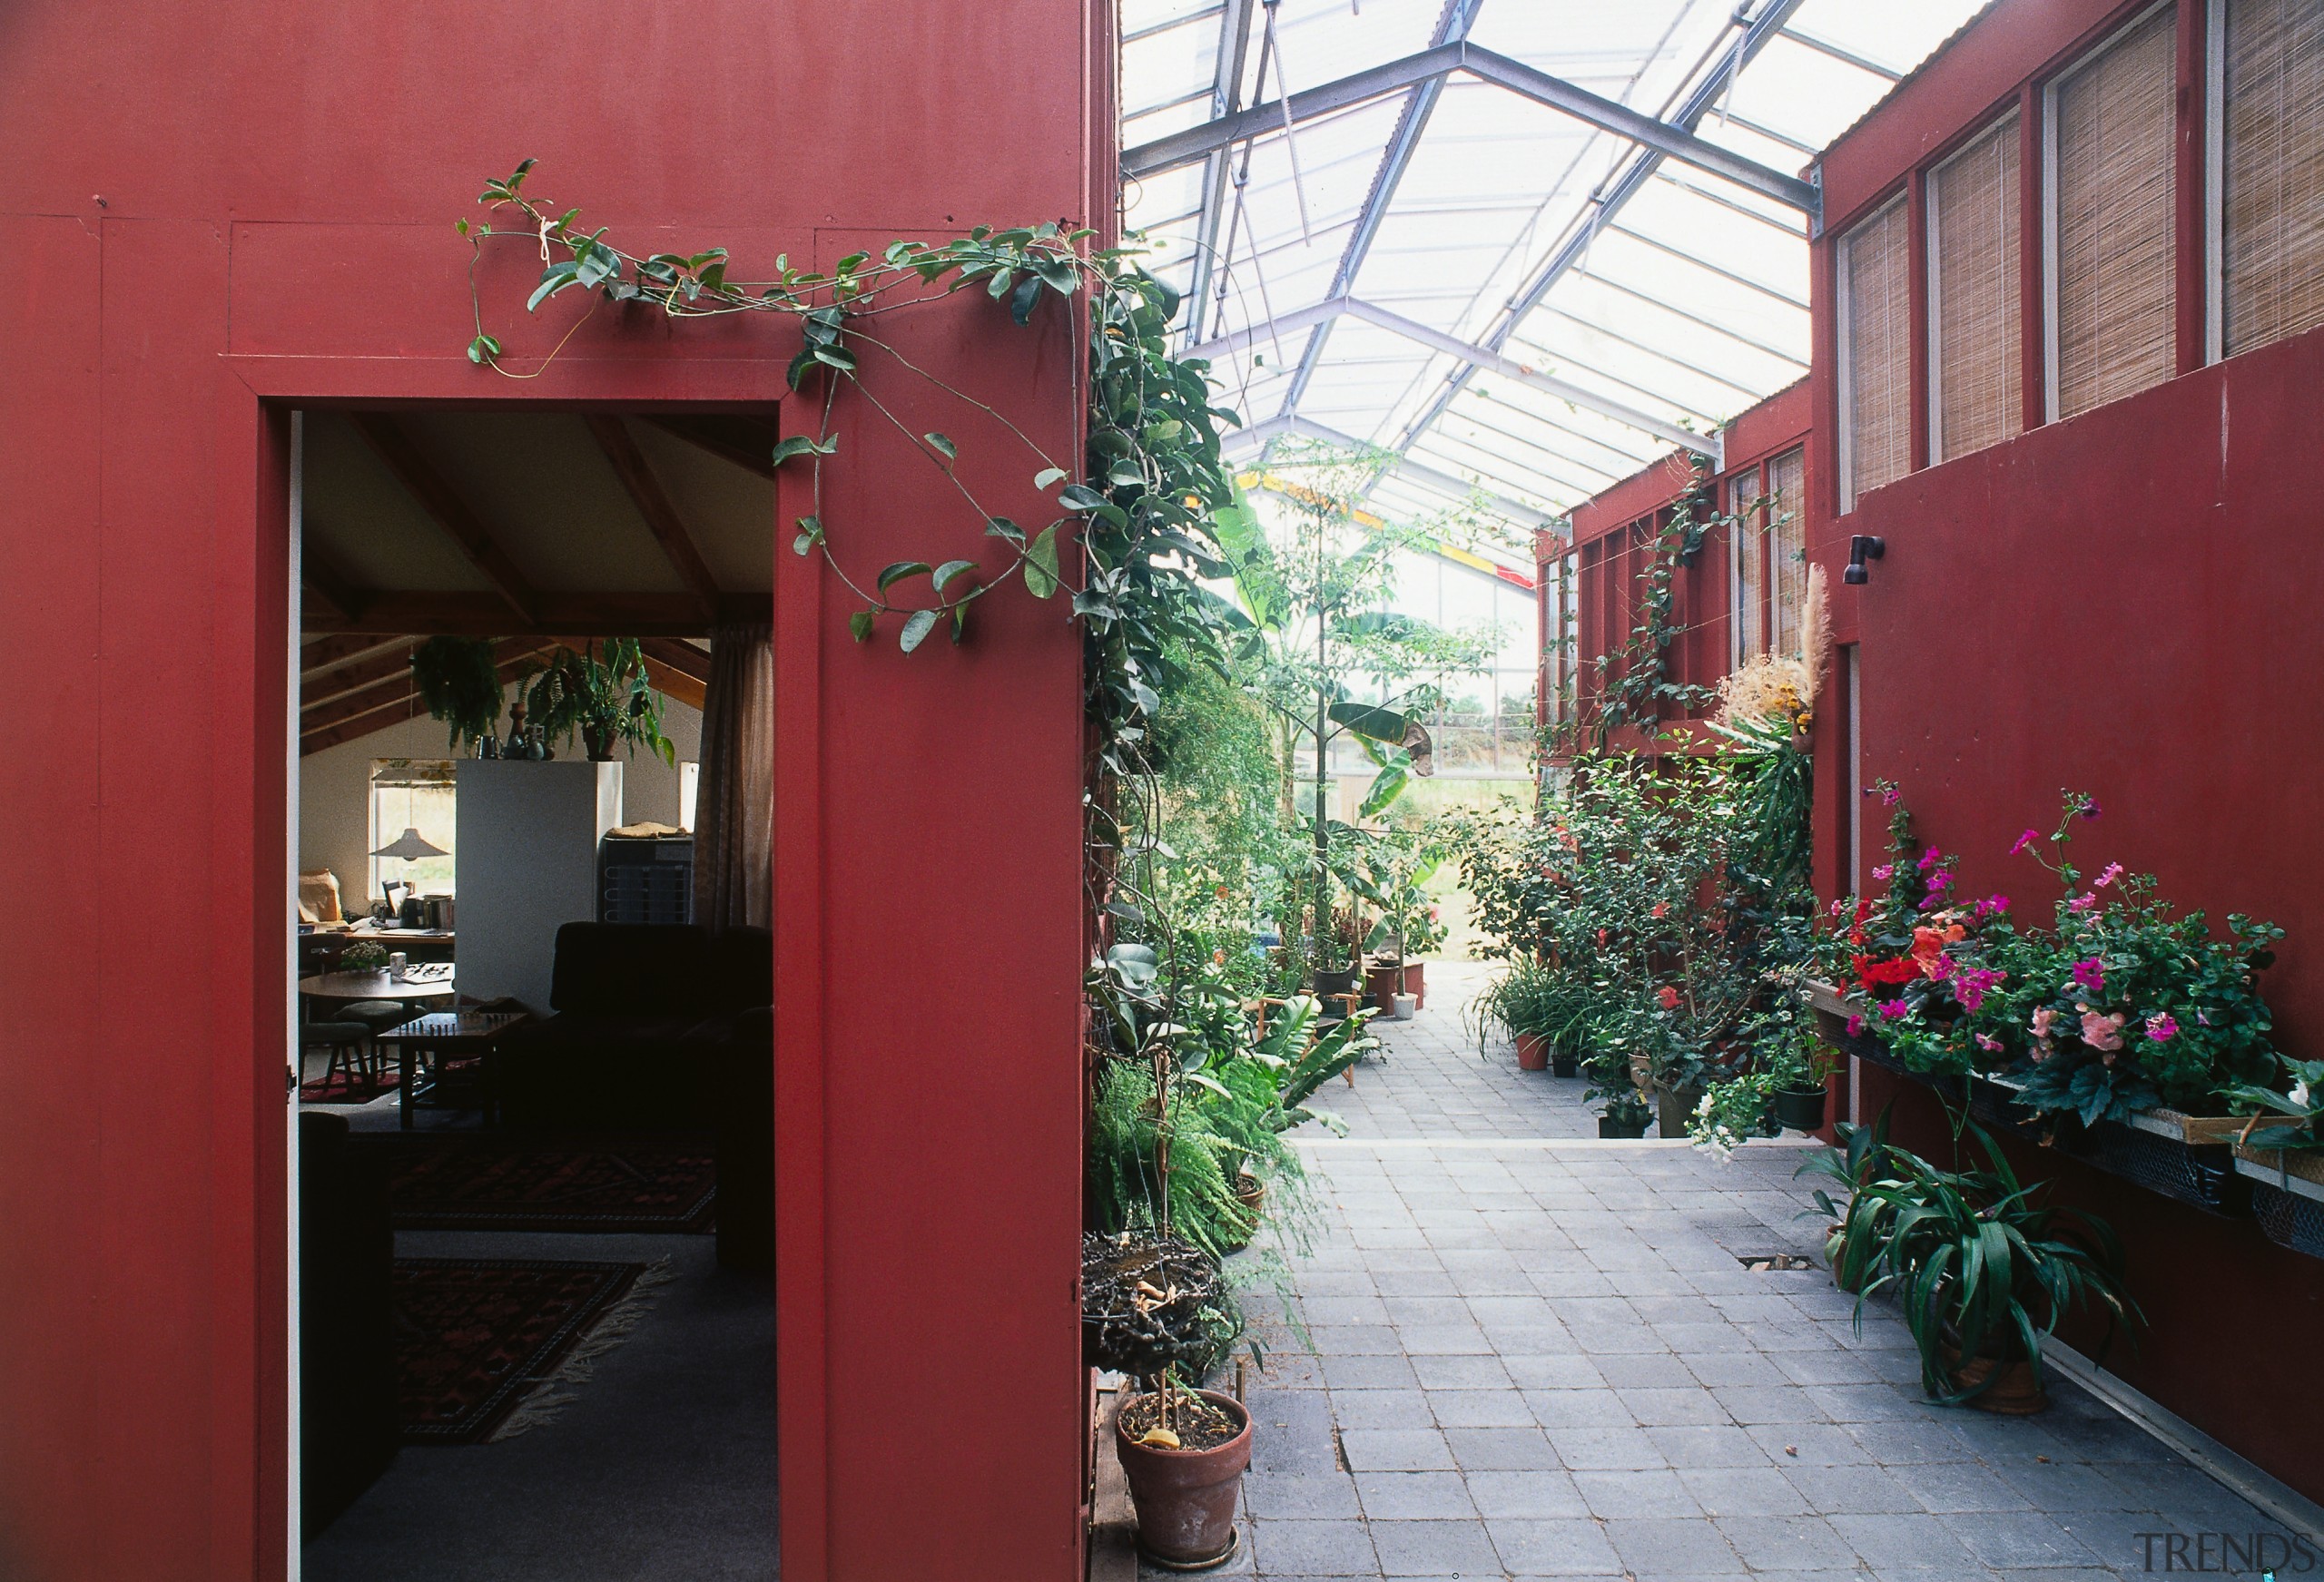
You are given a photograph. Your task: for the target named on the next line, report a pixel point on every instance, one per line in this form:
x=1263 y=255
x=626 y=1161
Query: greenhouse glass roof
x=1528 y=245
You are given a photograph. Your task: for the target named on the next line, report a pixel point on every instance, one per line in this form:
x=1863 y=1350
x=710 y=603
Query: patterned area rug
x=487 y=1182
x=489 y=1346
x=347 y=1088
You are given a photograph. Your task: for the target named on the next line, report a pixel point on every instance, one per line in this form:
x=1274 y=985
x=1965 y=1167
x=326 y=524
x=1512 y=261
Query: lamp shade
x=410 y=846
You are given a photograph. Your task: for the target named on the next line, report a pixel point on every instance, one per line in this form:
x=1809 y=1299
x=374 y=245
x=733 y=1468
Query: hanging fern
x=459 y=681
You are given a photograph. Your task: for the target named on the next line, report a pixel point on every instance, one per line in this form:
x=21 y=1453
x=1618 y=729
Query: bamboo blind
x=2113 y=219
x=1975 y=351
x=1788 y=541
x=1750 y=564
x=1876 y=274
x=2272 y=260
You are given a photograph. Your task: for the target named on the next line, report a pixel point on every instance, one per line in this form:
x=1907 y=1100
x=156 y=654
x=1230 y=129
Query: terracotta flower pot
x=1185 y=1498
x=2016 y=1390
x=1532 y=1052
x=1416 y=982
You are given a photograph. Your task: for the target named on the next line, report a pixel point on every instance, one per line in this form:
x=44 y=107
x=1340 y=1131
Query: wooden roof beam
x=735 y=438
x=356 y=714
x=325 y=575
x=581 y=614
x=683 y=657
x=676 y=683
x=393 y=444
x=653 y=503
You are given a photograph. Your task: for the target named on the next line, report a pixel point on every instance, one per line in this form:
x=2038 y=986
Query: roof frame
x=1265 y=433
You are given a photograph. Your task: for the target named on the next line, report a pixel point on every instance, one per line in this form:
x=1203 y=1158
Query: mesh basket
x=2289 y=1219
x=2199 y=1176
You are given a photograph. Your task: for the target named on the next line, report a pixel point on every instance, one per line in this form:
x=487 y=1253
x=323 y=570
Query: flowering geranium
x=2161 y=1026
x=2089 y=973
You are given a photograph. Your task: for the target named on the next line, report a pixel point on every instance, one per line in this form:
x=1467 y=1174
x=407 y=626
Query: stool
x=347 y=1042
x=379 y=1016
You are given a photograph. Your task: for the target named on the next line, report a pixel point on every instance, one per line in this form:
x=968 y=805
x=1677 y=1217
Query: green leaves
x=1041 y=578
x=920 y=623
x=891 y=575
x=942 y=445
x=1048 y=476
x=944 y=573
x=810 y=534
x=484 y=349
x=1370 y=720
x=804 y=445
x=860 y=624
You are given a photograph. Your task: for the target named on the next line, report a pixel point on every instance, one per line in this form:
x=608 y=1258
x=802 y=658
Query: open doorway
x=533 y=1297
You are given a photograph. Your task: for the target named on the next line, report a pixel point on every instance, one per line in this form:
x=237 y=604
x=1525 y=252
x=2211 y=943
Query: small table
x=353 y=985
x=447 y=1034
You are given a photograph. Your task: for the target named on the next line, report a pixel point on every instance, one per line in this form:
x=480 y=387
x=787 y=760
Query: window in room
x=1876 y=353
x=1975 y=353
x=1748 y=567
x=1787 y=544
x=2112 y=283
x=413 y=793
x=2266 y=172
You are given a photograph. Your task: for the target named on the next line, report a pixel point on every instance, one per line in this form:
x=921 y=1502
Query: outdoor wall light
x=1861 y=548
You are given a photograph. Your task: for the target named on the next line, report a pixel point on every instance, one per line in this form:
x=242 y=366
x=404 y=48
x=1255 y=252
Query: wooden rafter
x=393 y=444
x=322 y=652
x=683 y=657
x=474 y=614
x=347 y=718
x=318 y=686
x=676 y=683
x=653 y=503
x=327 y=577
x=745 y=441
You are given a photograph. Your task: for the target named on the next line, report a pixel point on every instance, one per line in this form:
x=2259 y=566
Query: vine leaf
x=898 y=571
x=1003 y=528
x=1020 y=305
x=921 y=624
x=803 y=444
x=950 y=569
x=1040 y=564
x=942 y=445
x=810 y=534
x=483 y=349
x=860 y=624
x=1048 y=476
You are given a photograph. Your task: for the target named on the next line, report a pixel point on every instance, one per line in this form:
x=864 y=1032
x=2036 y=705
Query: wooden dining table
x=355 y=986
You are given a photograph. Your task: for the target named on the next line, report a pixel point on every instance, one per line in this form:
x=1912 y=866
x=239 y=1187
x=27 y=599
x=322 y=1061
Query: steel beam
x=1660 y=138
x=1261 y=434
x=1227 y=93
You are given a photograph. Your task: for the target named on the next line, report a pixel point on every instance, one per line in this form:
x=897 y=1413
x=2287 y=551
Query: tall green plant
x=458 y=682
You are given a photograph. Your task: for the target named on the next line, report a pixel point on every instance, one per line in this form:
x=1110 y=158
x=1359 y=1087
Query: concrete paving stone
x=1655 y=1548
x=1909 y=1441
x=1530 y=1493
x=1461 y=1373
x=1699 y=1340
x=1578 y=1409
x=1383 y=1238
x=1554 y=1548
x=1480 y=1409
x=1445 y=1340
x=1807 y=1443
x=1535 y=1340
x=1897 y=1542
x=1433 y=1549
x=2061 y=1486
x=1615 y=1339
x=1397 y=1450
x=1786 y=1542
x=1378 y=1259
x=1747 y=1492
x=1654 y=1492
x=1676 y=1310
x=1500 y=1450
x=1306 y=1495
x=1355 y=1339
x=1413 y=1496
x=1708 y=1446
x=1411 y=1283
x=1858 y=1490
x=1521 y=1310
x=1863 y=1402
x=2011 y=1540
x=1312 y=1549
x=1342 y=1310
x=1766 y=1403
x=1389 y=1370
x=1382 y=1408
x=1314 y=1283
x=1664 y=1408
x=1415 y=1311
x=1952 y=1488
x=1552 y=1372
x=1615 y=1449
x=1645 y=1370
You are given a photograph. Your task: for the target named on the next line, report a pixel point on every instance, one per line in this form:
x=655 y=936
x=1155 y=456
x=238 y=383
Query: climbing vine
x=1148 y=481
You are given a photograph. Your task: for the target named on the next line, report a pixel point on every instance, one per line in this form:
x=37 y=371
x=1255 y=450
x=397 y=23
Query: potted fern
x=605 y=695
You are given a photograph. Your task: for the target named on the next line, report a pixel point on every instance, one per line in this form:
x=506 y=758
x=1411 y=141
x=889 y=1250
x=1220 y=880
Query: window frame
x=2049 y=100
x=1843 y=336
x=1933 y=310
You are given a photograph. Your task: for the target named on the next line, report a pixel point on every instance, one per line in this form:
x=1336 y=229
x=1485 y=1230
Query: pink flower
x=1661 y=909
x=2025 y=842
x=1893 y=1009
x=1993 y=904
x=2161 y=1027
x=2090 y=807
x=2113 y=871
x=2090 y=974
x=1990 y=1046
x=2040 y=1025
x=1883 y=872
x=2102 y=1032
x=1930 y=859
x=1669 y=998
x=1891 y=797
x=1855 y=1026
x=1970 y=987
x=1940 y=881
x=2082 y=903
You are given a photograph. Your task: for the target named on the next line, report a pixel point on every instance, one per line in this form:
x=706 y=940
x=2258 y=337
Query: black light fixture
x=1861 y=548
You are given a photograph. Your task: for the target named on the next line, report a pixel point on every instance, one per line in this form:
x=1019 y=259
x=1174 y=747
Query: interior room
x=534 y=1238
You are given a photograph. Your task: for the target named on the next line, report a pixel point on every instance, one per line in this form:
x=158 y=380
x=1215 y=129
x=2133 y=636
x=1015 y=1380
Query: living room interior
x=532 y=1037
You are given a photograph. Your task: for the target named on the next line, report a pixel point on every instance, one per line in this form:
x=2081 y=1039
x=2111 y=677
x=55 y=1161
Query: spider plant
x=1979 y=1269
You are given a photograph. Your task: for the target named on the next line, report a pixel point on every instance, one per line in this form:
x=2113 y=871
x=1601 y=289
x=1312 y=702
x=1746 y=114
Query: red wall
x=214 y=214
x=2125 y=604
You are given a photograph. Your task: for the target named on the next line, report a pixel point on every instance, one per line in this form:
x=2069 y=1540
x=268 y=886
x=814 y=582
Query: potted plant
x=1858 y=1157
x=458 y=682
x=1533 y=1004
x=1982 y=1272
x=1625 y=1115
x=608 y=699
x=364 y=956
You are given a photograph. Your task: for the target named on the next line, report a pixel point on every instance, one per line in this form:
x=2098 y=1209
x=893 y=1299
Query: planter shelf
x=2287 y=1196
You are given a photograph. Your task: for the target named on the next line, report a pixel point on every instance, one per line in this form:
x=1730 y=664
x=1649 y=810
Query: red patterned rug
x=347 y=1088
x=477 y=1338
x=492 y=1181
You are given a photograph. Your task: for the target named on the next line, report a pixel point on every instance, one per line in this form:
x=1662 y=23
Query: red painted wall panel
x=278 y=186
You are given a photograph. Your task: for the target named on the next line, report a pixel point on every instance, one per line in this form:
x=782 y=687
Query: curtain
x=1875 y=354
x=1974 y=351
x=2273 y=170
x=733 y=837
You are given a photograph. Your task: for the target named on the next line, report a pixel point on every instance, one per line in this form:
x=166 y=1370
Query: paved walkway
x=1536 y=1356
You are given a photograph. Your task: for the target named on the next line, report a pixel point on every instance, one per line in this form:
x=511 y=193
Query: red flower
x=1669 y=998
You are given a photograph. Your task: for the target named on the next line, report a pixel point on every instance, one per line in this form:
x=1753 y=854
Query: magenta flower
x=2090 y=974
x=1855 y=1026
x=2082 y=903
x=1883 y=872
x=2090 y=807
x=1930 y=859
x=1893 y=1009
x=2113 y=871
x=2161 y=1027
x=1971 y=985
x=2025 y=842
x=1940 y=881
x=1891 y=797
x=1990 y=1046
x=1993 y=904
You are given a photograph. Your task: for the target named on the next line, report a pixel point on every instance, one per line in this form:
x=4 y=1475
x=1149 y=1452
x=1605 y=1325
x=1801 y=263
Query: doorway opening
x=533 y=1301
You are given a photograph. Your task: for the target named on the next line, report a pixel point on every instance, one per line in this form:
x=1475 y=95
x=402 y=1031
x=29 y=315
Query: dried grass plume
x=1782 y=686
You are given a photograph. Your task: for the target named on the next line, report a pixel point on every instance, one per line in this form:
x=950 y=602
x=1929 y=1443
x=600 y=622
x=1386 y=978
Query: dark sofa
x=642 y=1017
x=347 y=1430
